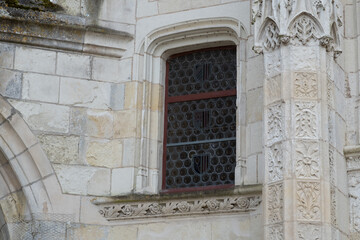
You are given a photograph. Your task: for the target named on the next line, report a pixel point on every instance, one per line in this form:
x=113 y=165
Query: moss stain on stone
x=44 y=5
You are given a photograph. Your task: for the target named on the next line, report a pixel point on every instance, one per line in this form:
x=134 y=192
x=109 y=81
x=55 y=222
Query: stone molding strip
x=52 y=30
x=352 y=154
x=166 y=207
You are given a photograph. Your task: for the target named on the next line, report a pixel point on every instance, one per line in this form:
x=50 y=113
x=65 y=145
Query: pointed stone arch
x=269 y=35
x=305 y=27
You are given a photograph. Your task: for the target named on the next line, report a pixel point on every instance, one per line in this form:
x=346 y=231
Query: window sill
x=136 y=206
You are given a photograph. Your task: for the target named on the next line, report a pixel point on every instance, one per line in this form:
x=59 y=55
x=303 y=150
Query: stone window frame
x=150 y=70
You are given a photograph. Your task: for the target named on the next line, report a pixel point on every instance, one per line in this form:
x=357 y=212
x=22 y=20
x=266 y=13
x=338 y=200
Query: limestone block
x=350 y=20
x=10 y=83
x=14 y=207
x=251 y=170
x=89 y=232
x=29 y=167
x=260 y=168
x=35 y=60
x=84 y=93
x=4 y=189
x=10 y=177
x=125 y=124
x=111 y=70
x=89 y=212
x=99 y=184
x=255 y=105
x=41 y=161
x=15 y=144
x=44 y=117
x=157 y=97
x=73 y=65
x=203 y=3
x=166 y=6
x=40 y=87
x=105 y=153
x=255 y=73
x=117 y=99
x=232 y=228
x=122 y=233
x=133 y=95
x=146 y=8
x=129 y=153
x=74 y=179
x=99 y=123
x=37 y=196
x=122 y=181
x=7 y=52
x=254 y=137
x=78 y=120
x=19 y=172
x=118 y=11
x=302 y=58
x=61 y=149
x=71 y=7
x=22 y=130
x=200 y=230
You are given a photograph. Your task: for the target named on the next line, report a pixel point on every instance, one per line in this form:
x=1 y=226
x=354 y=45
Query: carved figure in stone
x=275 y=163
x=308 y=232
x=275 y=203
x=304 y=29
x=307 y=160
x=308 y=200
x=305 y=119
x=305 y=85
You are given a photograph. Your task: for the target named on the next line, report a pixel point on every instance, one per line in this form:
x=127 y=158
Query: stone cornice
x=297 y=22
x=63 y=32
x=242 y=199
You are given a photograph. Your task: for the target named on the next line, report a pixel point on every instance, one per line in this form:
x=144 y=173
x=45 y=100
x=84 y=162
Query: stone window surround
x=149 y=67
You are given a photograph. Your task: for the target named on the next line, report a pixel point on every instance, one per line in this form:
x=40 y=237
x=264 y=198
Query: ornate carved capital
x=298 y=22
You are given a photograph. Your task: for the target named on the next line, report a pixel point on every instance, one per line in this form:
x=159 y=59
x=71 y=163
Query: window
x=200 y=120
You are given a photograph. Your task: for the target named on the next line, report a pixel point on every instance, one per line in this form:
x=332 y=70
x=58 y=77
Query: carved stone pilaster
x=295 y=37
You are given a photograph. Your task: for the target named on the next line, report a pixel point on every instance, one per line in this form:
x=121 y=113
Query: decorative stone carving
x=304 y=29
x=333 y=206
x=271 y=38
x=305 y=120
x=308 y=200
x=276 y=232
x=275 y=163
x=305 y=85
x=332 y=165
x=275 y=203
x=275 y=123
x=354 y=193
x=308 y=232
x=256 y=10
x=173 y=208
x=307 y=160
x=273 y=88
x=353 y=163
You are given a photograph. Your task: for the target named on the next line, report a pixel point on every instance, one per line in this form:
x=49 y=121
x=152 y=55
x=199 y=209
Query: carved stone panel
x=307 y=160
x=308 y=232
x=275 y=202
x=308 y=201
x=306 y=120
x=304 y=29
x=276 y=232
x=354 y=193
x=305 y=85
x=271 y=36
x=275 y=163
x=275 y=123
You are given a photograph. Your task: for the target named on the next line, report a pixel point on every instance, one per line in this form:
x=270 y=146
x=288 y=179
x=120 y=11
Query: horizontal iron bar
x=200 y=142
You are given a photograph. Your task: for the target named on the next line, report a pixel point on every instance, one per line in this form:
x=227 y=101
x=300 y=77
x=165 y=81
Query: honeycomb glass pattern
x=200 y=72
x=200 y=140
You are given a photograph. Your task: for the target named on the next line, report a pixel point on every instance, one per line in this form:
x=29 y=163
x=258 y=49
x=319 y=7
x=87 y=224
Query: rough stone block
x=10 y=83
x=61 y=149
x=122 y=181
x=255 y=105
x=99 y=124
x=35 y=60
x=105 y=153
x=84 y=93
x=44 y=117
x=40 y=87
x=7 y=53
x=73 y=65
x=111 y=70
x=125 y=124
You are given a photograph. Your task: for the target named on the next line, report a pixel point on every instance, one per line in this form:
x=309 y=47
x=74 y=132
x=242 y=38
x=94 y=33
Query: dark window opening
x=200 y=120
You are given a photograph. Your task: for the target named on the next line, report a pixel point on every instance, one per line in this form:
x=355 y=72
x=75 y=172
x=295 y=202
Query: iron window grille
x=200 y=120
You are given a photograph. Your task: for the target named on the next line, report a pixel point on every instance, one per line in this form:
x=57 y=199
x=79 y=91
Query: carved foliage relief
x=308 y=200
x=304 y=29
x=275 y=203
x=305 y=85
x=275 y=123
x=276 y=232
x=271 y=36
x=305 y=119
x=307 y=160
x=275 y=163
x=354 y=193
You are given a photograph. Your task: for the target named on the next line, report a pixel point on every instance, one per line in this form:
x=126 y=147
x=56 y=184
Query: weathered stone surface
x=39 y=87
x=112 y=70
x=73 y=65
x=125 y=124
x=7 y=52
x=117 y=98
x=99 y=184
x=61 y=149
x=10 y=83
x=35 y=60
x=105 y=153
x=99 y=124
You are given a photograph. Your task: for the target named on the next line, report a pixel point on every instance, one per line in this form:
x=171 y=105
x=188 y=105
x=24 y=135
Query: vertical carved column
x=298 y=38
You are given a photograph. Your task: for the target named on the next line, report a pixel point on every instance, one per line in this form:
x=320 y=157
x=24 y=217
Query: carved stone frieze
x=275 y=123
x=275 y=202
x=307 y=160
x=308 y=201
x=305 y=85
x=181 y=207
x=308 y=232
x=275 y=163
x=305 y=120
x=276 y=232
